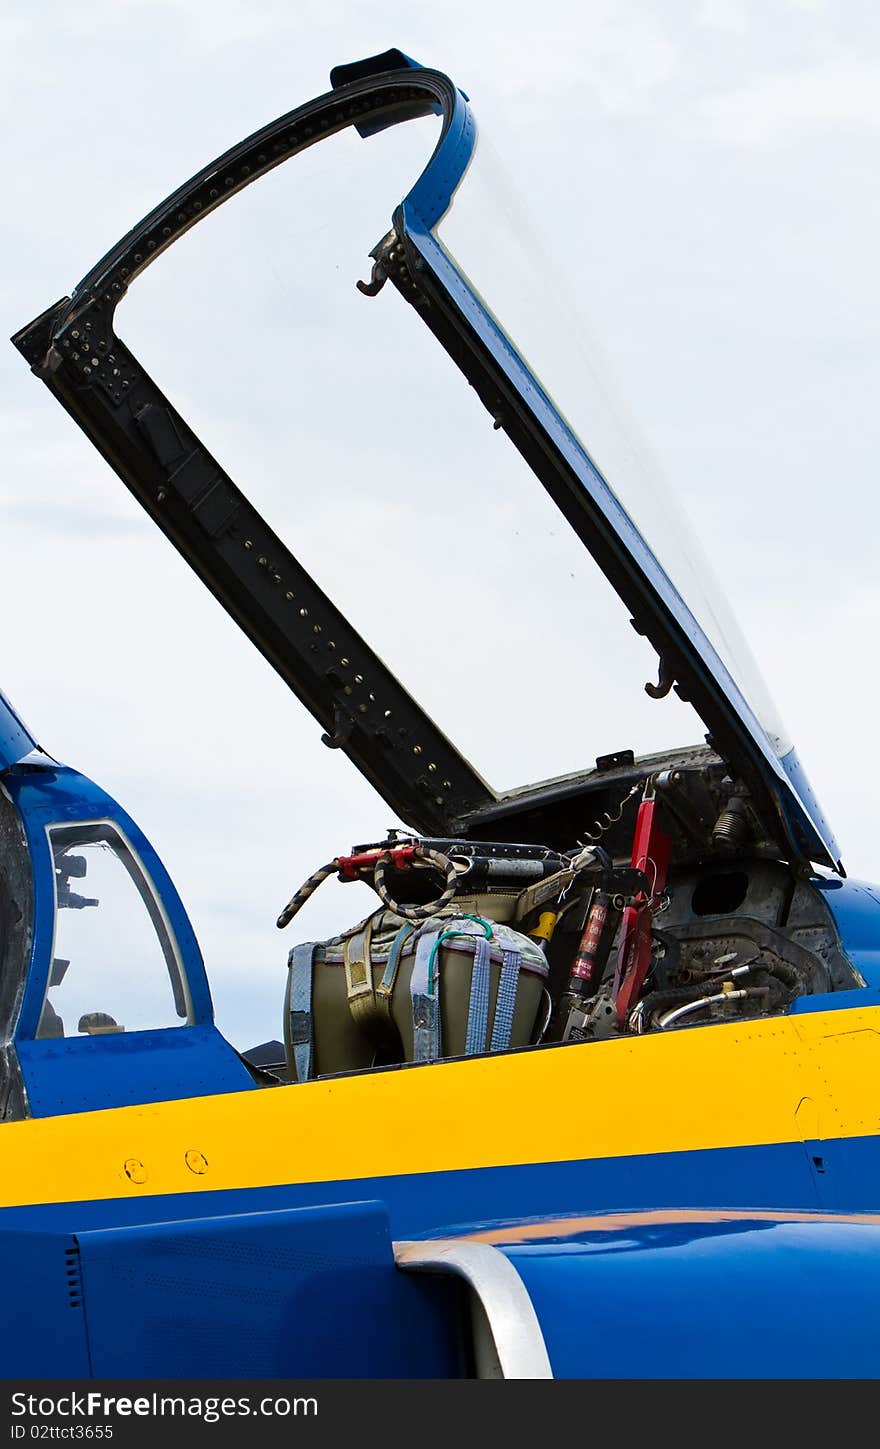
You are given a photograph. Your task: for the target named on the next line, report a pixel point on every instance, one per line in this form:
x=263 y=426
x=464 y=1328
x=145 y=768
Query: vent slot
x=73 y=1270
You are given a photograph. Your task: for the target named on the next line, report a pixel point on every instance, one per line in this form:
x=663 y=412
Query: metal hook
x=378 y=278
x=343 y=724
x=665 y=677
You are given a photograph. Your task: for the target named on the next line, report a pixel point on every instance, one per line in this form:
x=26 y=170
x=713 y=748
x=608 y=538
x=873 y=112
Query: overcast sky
x=705 y=176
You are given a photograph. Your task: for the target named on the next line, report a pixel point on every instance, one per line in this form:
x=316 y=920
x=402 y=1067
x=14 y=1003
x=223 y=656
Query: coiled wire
x=609 y=818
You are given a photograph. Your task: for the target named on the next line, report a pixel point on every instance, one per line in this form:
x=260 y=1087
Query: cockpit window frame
x=93 y=830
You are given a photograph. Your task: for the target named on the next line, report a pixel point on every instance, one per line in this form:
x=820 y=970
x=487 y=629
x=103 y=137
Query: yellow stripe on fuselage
x=778 y=1080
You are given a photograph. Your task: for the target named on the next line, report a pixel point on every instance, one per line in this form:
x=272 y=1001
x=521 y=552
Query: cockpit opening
x=658 y=916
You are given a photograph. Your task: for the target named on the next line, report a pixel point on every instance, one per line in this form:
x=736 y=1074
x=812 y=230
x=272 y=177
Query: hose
x=440 y=862
x=308 y=888
x=680 y=1011
x=433 y=858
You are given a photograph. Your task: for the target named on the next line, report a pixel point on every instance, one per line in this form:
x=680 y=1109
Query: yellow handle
x=545 y=927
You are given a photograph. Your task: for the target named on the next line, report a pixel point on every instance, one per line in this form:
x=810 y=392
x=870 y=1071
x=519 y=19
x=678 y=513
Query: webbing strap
x=359 y=975
x=389 y=975
x=299 y=964
x=478 y=1008
x=505 y=1006
x=425 y=1004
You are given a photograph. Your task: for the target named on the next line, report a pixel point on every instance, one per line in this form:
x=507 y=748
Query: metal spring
x=609 y=818
x=732 y=826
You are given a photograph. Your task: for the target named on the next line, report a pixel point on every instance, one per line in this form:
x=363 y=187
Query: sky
x=702 y=179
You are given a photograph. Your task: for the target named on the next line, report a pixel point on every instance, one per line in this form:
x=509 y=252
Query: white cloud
x=730 y=16
x=839 y=92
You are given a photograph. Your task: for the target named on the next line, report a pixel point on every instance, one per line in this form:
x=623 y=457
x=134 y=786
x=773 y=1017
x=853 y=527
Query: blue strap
x=478 y=1008
x=425 y=1003
x=300 y=1004
x=505 y=1005
x=389 y=975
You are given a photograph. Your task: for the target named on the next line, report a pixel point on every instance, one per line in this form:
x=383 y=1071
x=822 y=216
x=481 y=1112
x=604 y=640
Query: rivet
x=134 y=1170
x=197 y=1162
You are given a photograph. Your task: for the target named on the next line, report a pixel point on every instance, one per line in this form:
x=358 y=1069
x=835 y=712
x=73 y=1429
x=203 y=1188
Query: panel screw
x=134 y=1170
x=196 y=1162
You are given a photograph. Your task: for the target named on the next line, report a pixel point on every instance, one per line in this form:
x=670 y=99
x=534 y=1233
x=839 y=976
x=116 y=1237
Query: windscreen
x=343 y=421
x=488 y=234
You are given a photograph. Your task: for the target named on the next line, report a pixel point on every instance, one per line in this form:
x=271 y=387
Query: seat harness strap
x=425 y=999
x=505 y=1005
x=300 y=963
x=385 y=988
x=359 y=977
x=478 y=1008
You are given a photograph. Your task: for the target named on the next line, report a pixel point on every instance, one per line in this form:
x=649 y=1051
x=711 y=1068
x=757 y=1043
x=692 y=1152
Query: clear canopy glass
x=345 y=424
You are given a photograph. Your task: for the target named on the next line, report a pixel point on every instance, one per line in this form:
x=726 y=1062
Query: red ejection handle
x=650 y=853
x=355 y=867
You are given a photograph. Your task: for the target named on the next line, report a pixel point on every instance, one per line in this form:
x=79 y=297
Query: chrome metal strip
x=520 y=1350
